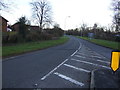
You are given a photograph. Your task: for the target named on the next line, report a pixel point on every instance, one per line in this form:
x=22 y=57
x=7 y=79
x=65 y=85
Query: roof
x=4 y=18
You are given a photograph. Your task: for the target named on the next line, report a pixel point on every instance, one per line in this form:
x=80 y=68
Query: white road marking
x=100 y=55
x=96 y=56
x=103 y=61
x=81 y=53
x=77 y=50
x=96 y=53
x=80 y=56
x=85 y=54
x=79 y=46
x=69 y=79
x=93 y=59
x=74 y=53
x=53 y=70
x=12 y=57
x=44 y=77
x=89 y=56
x=80 y=69
x=91 y=63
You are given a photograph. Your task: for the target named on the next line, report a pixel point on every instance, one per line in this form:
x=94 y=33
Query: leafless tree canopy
x=116 y=8
x=42 y=12
x=3 y=5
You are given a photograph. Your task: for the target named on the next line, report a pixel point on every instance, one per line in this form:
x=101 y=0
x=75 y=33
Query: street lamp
x=65 y=21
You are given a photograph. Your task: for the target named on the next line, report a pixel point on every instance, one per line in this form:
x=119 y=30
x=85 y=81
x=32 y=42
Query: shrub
x=33 y=36
x=5 y=36
x=45 y=36
x=13 y=38
x=117 y=38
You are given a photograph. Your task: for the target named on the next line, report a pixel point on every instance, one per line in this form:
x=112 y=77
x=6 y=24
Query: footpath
x=102 y=78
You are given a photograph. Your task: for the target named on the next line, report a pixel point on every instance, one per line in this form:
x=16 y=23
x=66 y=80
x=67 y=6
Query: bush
x=13 y=38
x=5 y=36
x=55 y=32
x=45 y=36
x=38 y=36
x=117 y=38
x=33 y=36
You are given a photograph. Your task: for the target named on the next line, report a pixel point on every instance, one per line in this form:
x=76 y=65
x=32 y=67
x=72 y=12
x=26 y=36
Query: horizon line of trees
x=97 y=31
x=112 y=33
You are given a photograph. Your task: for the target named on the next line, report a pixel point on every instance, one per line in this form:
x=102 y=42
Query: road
x=64 y=66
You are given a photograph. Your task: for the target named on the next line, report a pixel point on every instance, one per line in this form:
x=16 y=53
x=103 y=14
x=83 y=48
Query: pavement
x=102 y=78
x=75 y=64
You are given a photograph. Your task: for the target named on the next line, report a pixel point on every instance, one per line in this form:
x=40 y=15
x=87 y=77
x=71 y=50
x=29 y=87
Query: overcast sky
x=80 y=11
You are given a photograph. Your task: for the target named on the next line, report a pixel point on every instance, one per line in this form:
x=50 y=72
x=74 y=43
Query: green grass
x=31 y=46
x=106 y=43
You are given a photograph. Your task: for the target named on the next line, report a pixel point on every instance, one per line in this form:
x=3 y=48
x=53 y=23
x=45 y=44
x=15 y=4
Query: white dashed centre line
x=69 y=79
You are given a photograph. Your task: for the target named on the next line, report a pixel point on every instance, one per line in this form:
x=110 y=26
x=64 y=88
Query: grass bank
x=106 y=43
x=31 y=46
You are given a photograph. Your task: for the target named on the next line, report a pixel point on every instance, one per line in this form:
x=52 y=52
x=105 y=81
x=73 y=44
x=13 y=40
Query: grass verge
x=31 y=46
x=106 y=43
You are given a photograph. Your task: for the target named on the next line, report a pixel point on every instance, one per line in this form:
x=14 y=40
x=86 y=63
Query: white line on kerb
x=53 y=70
x=69 y=79
x=80 y=69
x=91 y=63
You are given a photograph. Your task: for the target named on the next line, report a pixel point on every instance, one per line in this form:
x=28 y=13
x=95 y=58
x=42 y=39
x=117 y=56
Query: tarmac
x=104 y=79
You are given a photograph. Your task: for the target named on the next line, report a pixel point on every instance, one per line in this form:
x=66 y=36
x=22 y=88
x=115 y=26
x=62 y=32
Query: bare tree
x=3 y=5
x=7 y=6
x=83 y=29
x=116 y=18
x=42 y=12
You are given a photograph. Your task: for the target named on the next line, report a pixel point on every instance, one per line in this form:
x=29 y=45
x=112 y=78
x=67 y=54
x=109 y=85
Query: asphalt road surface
x=64 y=66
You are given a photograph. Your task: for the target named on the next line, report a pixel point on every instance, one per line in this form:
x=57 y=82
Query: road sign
x=91 y=35
x=115 y=60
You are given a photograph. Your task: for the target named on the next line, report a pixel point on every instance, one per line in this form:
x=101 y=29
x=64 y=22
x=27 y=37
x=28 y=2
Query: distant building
x=3 y=23
x=15 y=27
x=33 y=27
